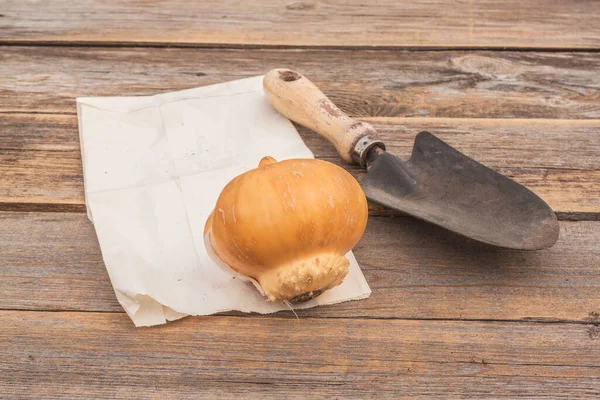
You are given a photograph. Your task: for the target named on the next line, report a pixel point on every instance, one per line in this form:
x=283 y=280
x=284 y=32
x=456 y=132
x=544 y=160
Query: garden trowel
x=437 y=184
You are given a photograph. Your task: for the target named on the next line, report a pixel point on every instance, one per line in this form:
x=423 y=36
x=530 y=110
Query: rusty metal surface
x=440 y=185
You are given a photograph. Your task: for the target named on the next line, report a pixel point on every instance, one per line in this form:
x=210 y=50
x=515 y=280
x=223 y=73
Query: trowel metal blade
x=440 y=185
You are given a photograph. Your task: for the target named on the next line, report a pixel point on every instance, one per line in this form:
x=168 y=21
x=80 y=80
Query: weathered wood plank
x=95 y=355
x=51 y=261
x=40 y=160
x=473 y=24
x=364 y=83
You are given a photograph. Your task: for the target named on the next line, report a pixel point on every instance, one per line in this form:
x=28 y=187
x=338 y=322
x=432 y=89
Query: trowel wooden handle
x=299 y=100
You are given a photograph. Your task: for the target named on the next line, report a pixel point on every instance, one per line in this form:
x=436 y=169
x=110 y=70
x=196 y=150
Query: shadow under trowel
x=408 y=238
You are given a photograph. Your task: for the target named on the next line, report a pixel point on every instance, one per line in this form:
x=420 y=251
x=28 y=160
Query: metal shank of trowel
x=301 y=101
x=365 y=149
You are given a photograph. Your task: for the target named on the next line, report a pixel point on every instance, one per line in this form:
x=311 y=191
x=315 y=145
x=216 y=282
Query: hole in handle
x=288 y=76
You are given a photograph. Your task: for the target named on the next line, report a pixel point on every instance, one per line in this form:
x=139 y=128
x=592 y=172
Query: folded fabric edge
x=79 y=128
x=363 y=280
x=144 y=310
x=135 y=103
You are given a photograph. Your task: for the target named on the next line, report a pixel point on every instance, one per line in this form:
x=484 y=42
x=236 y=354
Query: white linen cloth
x=153 y=169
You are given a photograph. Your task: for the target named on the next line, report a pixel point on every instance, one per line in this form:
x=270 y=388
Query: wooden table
x=514 y=84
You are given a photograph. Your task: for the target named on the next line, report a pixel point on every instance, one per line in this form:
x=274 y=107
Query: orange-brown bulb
x=288 y=225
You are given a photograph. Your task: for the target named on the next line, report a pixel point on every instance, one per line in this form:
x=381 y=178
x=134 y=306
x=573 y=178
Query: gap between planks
x=380 y=212
x=485 y=121
x=393 y=120
x=592 y=320
x=244 y=46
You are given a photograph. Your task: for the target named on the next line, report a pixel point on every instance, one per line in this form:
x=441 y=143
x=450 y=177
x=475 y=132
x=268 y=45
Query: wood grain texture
x=40 y=159
x=51 y=261
x=472 y=24
x=362 y=83
x=102 y=356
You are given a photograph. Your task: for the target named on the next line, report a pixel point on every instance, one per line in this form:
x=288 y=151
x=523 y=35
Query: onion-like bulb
x=287 y=226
